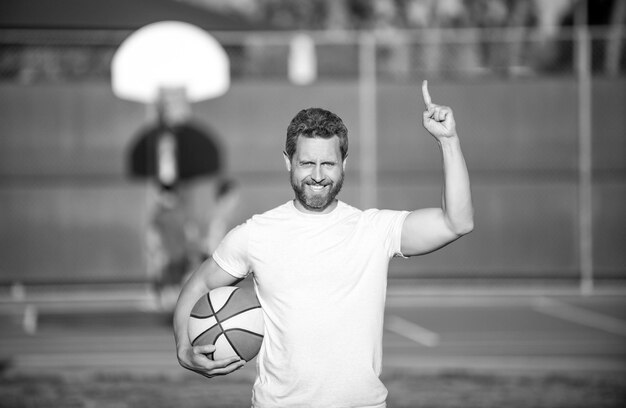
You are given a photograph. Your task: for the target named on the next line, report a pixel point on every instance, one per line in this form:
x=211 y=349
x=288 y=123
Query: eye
x=328 y=164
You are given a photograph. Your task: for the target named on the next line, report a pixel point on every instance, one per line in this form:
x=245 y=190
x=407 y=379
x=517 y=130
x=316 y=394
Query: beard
x=316 y=201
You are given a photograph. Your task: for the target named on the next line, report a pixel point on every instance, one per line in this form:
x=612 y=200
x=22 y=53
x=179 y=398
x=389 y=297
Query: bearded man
x=320 y=268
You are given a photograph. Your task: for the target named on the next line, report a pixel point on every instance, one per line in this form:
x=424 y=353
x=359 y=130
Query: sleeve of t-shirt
x=232 y=253
x=388 y=227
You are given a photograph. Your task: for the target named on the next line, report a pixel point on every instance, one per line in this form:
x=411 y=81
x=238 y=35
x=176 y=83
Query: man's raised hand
x=437 y=119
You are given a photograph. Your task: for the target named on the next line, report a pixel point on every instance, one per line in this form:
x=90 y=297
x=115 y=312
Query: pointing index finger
x=427 y=101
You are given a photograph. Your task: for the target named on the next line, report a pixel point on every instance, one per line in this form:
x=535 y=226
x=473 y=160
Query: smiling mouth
x=317 y=187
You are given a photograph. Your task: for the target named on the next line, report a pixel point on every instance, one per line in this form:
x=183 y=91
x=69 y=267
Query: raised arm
x=426 y=230
x=208 y=276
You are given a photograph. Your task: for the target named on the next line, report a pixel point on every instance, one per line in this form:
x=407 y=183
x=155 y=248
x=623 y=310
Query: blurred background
x=538 y=88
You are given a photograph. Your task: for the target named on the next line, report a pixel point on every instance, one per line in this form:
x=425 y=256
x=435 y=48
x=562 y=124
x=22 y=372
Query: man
x=320 y=270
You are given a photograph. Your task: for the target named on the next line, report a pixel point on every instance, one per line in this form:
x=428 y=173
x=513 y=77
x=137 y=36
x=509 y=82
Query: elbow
x=464 y=228
x=467 y=229
x=460 y=224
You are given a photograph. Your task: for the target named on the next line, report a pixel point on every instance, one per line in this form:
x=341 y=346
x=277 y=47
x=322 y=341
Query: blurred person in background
x=190 y=202
x=182 y=233
x=320 y=269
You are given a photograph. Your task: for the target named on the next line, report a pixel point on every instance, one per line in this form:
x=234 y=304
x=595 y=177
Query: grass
x=446 y=389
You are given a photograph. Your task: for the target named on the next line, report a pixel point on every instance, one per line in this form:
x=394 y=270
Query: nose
x=317 y=174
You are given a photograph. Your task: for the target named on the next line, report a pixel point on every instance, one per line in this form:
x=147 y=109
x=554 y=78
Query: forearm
x=195 y=287
x=457 y=198
x=209 y=276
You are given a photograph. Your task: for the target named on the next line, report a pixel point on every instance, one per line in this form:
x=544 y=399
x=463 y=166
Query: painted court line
x=411 y=331
x=580 y=316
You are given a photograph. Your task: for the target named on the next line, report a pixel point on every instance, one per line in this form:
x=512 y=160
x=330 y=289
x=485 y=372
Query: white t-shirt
x=321 y=280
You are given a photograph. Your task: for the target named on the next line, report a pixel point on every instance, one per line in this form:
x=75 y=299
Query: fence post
x=585 y=188
x=368 y=122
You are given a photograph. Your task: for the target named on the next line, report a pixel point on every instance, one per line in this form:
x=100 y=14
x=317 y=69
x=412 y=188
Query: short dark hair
x=316 y=122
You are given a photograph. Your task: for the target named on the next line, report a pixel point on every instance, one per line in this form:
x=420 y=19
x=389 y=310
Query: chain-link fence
x=40 y=56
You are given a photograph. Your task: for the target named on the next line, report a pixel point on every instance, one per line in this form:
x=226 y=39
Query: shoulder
x=383 y=214
x=373 y=217
x=384 y=219
x=345 y=210
x=237 y=236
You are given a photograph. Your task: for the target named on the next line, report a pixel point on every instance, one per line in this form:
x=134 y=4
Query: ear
x=287 y=161
x=344 y=163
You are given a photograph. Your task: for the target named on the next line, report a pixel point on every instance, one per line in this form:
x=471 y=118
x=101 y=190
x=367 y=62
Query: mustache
x=315 y=183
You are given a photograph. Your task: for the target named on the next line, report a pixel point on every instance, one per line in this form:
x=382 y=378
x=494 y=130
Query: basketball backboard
x=170 y=55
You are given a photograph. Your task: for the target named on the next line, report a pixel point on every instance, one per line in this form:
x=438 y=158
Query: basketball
x=231 y=318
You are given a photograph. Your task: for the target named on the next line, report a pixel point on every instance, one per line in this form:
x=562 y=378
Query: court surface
x=423 y=331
